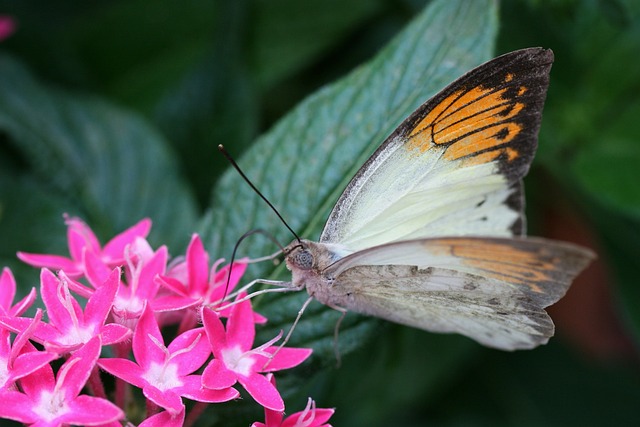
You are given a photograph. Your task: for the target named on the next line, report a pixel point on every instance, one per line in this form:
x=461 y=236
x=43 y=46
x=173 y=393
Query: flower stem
x=122 y=388
x=188 y=322
x=95 y=383
x=152 y=408
x=194 y=414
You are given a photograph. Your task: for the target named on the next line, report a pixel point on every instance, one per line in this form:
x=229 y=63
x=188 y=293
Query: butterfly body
x=430 y=231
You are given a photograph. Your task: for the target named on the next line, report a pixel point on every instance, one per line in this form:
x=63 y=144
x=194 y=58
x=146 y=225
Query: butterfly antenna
x=273 y=208
x=235 y=249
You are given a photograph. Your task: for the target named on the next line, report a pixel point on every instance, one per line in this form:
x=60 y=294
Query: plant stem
x=95 y=383
x=194 y=414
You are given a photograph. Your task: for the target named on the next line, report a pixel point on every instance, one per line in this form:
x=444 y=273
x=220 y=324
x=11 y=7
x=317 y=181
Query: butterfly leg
x=280 y=287
x=293 y=326
x=336 y=332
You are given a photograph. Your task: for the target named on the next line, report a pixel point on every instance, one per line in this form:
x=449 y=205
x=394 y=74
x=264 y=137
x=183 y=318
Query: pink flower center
x=163 y=376
x=51 y=405
x=238 y=361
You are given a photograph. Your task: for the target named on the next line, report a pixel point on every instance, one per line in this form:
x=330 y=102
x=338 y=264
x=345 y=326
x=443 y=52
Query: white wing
x=454 y=167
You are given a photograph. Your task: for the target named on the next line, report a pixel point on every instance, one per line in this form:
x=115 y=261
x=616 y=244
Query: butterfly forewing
x=453 y=167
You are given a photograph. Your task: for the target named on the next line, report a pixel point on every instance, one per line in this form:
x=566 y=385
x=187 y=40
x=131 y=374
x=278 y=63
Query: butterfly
x=430 y=231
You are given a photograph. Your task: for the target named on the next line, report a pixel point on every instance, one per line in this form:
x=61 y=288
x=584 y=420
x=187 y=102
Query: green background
x=111 y=111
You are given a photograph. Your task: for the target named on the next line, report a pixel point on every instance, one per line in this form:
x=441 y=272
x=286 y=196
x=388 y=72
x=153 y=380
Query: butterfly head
x=299 y=256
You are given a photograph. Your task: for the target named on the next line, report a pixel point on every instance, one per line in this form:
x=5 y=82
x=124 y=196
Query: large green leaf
x=305 y=161
x=106 y=164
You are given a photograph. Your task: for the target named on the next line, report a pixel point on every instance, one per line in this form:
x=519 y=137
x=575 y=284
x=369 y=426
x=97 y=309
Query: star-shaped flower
x=54 y=401
x=69 y=327
x=236 y=360
x=193 y=281
x=20 y=358
x=8 y=293
x=165 y=374
x=80 y=239
x=309 y=417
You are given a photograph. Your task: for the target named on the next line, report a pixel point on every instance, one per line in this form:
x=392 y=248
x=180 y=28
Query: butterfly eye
x=303 y=259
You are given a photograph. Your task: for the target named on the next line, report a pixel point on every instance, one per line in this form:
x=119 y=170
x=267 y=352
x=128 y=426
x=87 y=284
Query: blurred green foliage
x=111 y=110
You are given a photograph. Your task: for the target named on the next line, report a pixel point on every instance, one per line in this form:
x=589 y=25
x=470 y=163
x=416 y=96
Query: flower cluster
x=7 y=26
x=120 y=297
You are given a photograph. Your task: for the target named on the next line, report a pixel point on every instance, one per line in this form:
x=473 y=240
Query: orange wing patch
x=475 y=124
x=502 y=261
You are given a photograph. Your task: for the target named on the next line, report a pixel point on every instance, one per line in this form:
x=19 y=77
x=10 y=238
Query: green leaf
x=135 y=49
x=103 y=161
x=287 y=34
x=306 y=160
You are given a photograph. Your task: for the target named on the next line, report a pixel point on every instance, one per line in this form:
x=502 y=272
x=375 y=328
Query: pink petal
x=147 y=287
x=24 y=304
x=192 y=389
x=240 y=327
x=7 y=26
x=55 y=262
x=17 y=406
x=198 y=353
x=100 y=303
x=113 y=333
x=215 y=331
x=81 y=363
x=5 y=343
x=144 y=349
x=89 y=410
x=172 y=303
x=7 y=289
x=198 y=266
x=124 y=369
x=38 y=380
x=164 y=419
x=319 y=417
x=96 y=271
x=29 y=362
x=262 y=391
x=173 y=285
x=236 y=274
x=216 y=376
x=114 y=250
x=22 y=339
x=167 y=399
x=79 y=237
x=57 y=311
x=287 y=358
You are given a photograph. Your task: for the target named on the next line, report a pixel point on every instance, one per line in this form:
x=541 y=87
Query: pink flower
x=80 y=239
x=8 y=293
x=56 y=401
x=165 y=373
x=235 y=360
x=193 y=282
x=309 y=417
x=143 y=265
x=69 y=327
x=20 y=358
x=7 y=26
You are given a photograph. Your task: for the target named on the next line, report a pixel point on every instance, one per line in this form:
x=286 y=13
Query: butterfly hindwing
x=446 y=301
x=453 y=167
x=493 y=290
